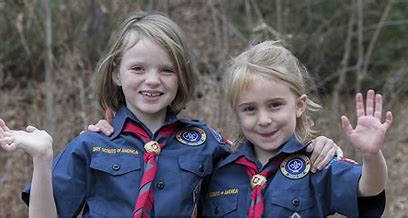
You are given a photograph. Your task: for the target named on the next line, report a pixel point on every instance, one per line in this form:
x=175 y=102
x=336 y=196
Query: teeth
x=151 y=94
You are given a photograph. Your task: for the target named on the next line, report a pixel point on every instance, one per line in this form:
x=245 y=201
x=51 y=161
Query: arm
x=37 y=144
x=368 y=137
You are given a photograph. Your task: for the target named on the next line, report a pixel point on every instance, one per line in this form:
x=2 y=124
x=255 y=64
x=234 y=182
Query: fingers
x=345 y=124
x=3 y=125
x=359 y=105
x=326 y=154
x=102 y=126
x=378 y=106
x=93 y=128
x=339 y=152
x=325 y=159
x=370 y=103
x=7 y=143
x=317 y=144
x=309 y=148
x=388 y=120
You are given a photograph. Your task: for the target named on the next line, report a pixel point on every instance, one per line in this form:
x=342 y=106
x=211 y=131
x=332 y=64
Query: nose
x=152 y=78
x=264 y=119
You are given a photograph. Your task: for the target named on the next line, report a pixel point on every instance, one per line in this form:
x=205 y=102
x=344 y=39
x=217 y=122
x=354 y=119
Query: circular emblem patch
x=193 y=136
x=295 y=166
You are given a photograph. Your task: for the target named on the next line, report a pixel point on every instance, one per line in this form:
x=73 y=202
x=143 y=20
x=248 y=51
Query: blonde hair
x=271 y=60
x=160 y=30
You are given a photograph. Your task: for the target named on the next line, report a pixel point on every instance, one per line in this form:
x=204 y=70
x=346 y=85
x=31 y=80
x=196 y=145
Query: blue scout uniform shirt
x=102 y=174
x=333 y=189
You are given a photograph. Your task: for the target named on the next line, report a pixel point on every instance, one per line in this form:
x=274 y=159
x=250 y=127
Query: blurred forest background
x=49 y=50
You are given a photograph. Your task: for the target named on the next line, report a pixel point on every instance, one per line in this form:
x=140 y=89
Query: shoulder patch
x=295 y=166
x=192 y=136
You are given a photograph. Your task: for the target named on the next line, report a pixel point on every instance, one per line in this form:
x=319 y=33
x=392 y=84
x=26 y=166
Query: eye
x=168 y=70
x=137 y=69
x=248 y=108
x=275 y=105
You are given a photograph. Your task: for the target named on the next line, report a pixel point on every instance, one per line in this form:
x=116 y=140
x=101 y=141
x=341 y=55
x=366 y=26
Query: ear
x=116 y=78
x=301 y=105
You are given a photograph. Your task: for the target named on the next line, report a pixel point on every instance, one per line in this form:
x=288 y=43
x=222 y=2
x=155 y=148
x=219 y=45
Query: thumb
x=310 y=148
x=31 y=129
x=345 y=123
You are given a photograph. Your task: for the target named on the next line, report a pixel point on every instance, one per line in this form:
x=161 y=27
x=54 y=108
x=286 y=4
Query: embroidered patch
x=295 y=166
x=232 y=191
x=114 y=150
x=192 y=136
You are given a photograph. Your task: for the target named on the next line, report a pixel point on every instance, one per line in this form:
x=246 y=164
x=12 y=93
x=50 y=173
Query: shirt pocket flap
x=115 y=165
x=221 y=205
x=201 y=166
x=296 y=201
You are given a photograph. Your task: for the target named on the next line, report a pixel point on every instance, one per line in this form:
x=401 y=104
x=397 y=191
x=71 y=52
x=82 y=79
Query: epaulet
x=193 y=122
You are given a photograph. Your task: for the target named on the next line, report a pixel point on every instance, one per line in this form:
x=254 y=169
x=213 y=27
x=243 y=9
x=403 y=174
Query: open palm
x=369 y=133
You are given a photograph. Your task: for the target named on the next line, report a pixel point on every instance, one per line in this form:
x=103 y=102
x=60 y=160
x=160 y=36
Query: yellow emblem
x=257 y=180
x=152 y=146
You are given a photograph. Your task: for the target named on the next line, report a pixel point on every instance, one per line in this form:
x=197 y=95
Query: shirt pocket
x=192 y=171
x=200 y=166
x=219 y=204
x=292 y=201
x=113 y=177
x=115 y=165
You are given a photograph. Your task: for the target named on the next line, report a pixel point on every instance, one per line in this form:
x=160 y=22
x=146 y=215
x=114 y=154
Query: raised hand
x=37 y=143
x=369 y=133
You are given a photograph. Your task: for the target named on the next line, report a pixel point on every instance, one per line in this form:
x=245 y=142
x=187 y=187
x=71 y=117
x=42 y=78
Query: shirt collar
x=124 y=114
x=246 y=149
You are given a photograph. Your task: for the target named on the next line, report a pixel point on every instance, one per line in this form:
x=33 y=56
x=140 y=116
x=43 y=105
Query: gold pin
x=257 y=180
x=152 y=146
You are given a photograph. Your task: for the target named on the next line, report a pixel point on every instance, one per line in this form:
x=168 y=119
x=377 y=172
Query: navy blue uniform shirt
x=333 y=189
x=102 y=174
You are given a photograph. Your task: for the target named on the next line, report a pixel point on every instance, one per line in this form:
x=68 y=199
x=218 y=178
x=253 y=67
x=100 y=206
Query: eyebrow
x=269 y=100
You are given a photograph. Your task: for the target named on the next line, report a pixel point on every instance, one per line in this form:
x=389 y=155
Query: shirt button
x=116 y=167
x=295 y=202
x=160 y=185
x=201 y=168
x=216 y=210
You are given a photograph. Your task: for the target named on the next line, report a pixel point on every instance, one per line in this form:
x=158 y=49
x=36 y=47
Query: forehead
x=260 y=88
x=148 y=52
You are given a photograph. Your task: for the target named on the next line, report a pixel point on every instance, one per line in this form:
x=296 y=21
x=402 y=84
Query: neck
x=153 y=123
x=262 y=155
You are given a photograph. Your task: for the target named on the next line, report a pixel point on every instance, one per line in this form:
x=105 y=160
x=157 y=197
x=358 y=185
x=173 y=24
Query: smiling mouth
x=268 y=134
x=151 y=94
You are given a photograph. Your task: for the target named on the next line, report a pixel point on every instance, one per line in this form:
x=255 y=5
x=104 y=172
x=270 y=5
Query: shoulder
x=202 y=131
x=85 y=141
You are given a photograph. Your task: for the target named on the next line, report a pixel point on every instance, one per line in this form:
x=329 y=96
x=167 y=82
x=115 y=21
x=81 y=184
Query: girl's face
x=148 y=79
x=267 y=113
